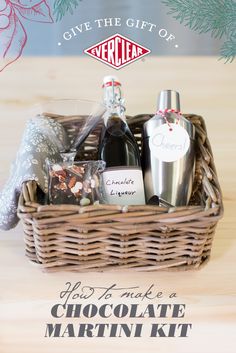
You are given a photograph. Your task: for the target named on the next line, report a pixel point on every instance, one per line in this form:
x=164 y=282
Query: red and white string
x=173 y=111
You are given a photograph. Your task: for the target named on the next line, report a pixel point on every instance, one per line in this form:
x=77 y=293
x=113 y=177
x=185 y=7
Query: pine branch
x=228 y=50
x=61 y=7
x=215 y=16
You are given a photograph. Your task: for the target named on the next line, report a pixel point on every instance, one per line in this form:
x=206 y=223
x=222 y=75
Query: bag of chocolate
x=75 y=183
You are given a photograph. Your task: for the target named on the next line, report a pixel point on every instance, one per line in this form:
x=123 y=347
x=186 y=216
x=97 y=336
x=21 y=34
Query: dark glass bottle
x=123 y=180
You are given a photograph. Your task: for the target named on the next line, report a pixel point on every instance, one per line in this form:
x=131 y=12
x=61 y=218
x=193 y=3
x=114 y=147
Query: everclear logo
x=117 y=51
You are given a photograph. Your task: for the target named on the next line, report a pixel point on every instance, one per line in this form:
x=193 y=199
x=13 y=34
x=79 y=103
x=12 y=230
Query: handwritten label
x=168 y=143
x=123 y=186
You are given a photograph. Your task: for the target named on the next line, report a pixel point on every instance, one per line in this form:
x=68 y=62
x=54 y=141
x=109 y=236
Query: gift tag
x=169 y=142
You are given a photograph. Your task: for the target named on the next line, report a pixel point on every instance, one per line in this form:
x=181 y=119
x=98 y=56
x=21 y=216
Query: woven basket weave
x=111 y=237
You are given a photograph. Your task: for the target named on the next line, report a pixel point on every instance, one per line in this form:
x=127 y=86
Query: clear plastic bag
x=77 y=183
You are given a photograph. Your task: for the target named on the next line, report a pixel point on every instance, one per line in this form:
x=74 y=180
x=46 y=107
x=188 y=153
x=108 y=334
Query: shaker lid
x=168 y=99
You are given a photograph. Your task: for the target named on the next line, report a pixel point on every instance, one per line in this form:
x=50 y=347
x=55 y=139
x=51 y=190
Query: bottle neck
x=116 y=113
x=114 y=101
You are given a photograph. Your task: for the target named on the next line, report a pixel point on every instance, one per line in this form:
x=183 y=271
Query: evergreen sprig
x=61 y=7
x=228 y=50
x=215 y=16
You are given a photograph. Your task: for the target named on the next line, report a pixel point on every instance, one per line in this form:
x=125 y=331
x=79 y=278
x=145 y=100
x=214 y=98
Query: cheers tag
x=169 y=142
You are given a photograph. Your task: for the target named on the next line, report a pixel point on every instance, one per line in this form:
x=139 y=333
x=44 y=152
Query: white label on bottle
x=123 y=186
x=169 y=142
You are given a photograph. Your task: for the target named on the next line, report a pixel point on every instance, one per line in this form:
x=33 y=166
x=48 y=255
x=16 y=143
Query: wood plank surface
x=207 y=87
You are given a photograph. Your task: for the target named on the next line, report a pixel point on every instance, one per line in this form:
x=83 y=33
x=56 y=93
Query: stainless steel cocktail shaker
x=168 y=154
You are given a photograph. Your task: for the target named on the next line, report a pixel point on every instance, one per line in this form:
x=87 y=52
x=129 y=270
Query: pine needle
x=215 y=16
x=228 y=50
x=61 y=7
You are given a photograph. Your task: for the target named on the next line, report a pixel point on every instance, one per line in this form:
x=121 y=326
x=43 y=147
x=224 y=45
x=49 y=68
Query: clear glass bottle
x=122 y=178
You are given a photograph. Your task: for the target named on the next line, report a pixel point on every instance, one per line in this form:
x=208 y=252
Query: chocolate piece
x=84 y=201
x=72 y=183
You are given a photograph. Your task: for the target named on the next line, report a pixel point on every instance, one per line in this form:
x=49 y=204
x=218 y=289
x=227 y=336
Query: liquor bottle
x=122 y=178
x=168 y=153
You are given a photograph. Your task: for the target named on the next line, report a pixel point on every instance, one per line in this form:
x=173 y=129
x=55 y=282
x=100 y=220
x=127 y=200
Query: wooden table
x=207 y=87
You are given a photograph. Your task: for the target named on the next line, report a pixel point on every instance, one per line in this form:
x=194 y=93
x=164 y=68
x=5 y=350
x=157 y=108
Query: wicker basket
x=110 y=237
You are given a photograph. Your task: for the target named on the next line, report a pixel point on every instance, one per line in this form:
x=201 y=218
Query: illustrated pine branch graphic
x=228 y=50
x=215 y=16
x=61 y=7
